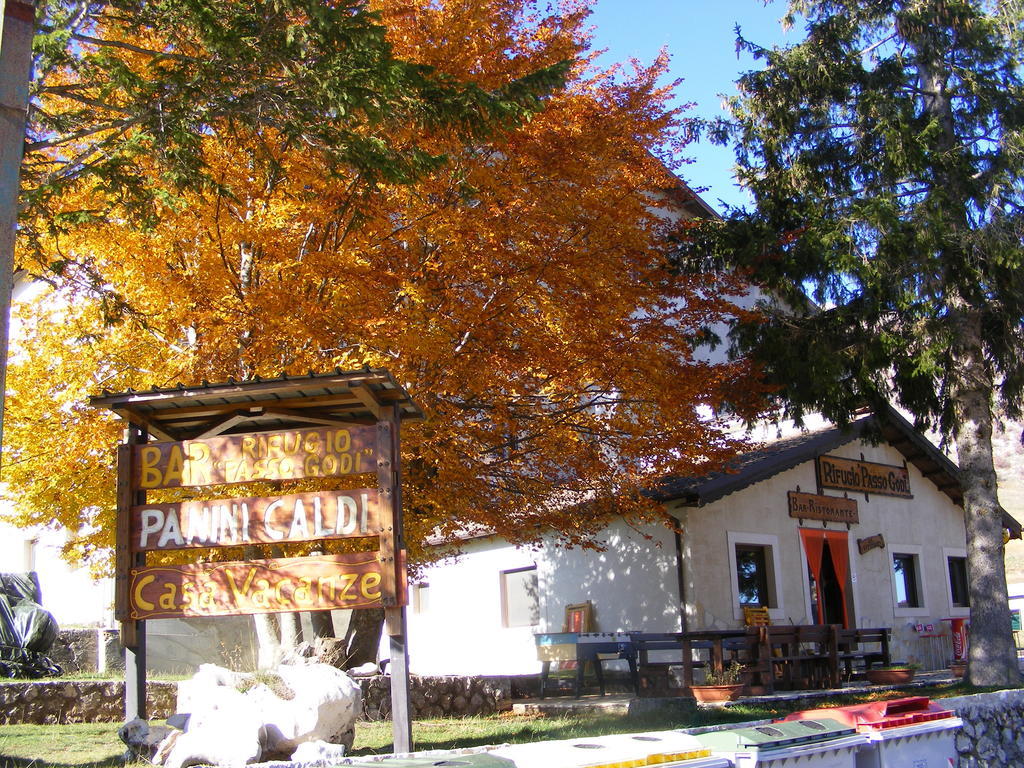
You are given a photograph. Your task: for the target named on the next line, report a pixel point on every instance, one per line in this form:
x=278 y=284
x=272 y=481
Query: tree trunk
x=362 y=639
x=322 y=624
x=992 y=653
x=291 y=630
x=268 y=640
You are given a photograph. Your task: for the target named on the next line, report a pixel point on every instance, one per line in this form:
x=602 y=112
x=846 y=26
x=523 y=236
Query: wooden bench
x=795 y=657
x=818 y=656
x=852 y=647
x=654 y=673
x=775 y=651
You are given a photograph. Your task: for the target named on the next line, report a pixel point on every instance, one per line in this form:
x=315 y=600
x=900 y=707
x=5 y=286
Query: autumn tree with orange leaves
x=518 y=287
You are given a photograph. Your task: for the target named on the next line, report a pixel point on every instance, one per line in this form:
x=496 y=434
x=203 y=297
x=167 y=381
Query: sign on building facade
x=863 y=476
x=811 y=506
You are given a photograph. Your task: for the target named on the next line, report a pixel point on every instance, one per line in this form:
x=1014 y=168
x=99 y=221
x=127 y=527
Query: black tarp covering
x=27 y=630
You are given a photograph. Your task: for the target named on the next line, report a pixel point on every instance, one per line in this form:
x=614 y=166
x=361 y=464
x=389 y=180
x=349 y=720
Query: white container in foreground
x=922 y=745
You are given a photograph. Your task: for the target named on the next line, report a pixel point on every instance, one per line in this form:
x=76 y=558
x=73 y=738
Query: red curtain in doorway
x=837 y=545
x=814 y=543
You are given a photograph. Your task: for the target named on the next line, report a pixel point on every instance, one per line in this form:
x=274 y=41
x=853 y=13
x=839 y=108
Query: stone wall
x=441 y=696
x=88 y=701
x=77 y=701
x=993 y=732
x=88 y=650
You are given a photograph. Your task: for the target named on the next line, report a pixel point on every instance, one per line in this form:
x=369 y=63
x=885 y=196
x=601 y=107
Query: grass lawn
x=39 y=746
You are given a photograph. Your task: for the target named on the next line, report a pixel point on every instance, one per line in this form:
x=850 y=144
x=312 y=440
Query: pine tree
x=884 y=157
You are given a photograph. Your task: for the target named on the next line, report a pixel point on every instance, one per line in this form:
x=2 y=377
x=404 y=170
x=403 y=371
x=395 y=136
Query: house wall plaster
x=632 y=584
x=461 y=630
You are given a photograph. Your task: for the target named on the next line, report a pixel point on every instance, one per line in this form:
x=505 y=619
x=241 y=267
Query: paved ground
x=624 y=703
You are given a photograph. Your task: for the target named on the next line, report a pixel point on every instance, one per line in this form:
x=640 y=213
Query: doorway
x=828 y=576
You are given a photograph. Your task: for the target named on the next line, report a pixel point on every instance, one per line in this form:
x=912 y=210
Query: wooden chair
x=851 y=645
x=773 y=655
x=756 y=616
x=818 y=665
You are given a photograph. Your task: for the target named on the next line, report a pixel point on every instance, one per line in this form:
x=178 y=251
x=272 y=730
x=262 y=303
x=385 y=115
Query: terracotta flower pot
x=958 y=668
x=713 y=693
x=890 y=676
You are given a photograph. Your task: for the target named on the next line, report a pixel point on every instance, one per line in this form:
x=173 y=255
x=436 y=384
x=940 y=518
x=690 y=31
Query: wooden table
x=717 y=642
x=592 y=648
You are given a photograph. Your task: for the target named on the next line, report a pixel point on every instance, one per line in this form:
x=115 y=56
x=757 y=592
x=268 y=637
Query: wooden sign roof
x=261 y=405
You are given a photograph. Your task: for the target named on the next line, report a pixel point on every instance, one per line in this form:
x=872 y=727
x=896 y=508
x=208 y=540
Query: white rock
x=178 y=720
x=317 y=752
x=144 y=742
x=208 y=678
x=233 y=717
x=325 y=707
x=223 y=741
x=364 y=670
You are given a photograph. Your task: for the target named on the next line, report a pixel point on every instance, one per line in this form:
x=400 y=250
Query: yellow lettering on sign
x=197 y=469
x=175 y=465
x=367 y=584
x=149 y=475
x=239 y=594
x=342 y=440
x=291 y=441
x=348 y=581
x=168 y=599
x=140 y=585
x=303 y=594
x=326 y=585
x=206 y=596
x=279 y=591
x=249 y=446
x=261 y=597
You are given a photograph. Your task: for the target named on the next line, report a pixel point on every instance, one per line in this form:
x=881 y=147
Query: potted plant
x=726 y=685
x=892 y=674
x=958 y=668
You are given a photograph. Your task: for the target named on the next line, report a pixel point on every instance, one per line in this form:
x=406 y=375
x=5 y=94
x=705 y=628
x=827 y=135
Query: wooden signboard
x=811 y=506
x=265 y=520
x=863 y=476
x=290 y=455
x=256 y=586
x=357 y=417
x=868 y=543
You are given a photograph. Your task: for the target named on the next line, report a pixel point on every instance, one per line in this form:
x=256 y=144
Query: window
x=519 y=597
x=958 y=594
x=753 y=573
x=905 y=580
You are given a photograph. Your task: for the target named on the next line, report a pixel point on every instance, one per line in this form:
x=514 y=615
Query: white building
x=900 y=564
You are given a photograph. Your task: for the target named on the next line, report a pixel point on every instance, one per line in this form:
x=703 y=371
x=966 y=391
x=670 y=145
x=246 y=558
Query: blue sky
x=700 y=36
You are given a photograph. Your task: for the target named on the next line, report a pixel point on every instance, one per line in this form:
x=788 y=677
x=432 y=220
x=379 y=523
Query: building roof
x=786 y=453
x=285 y=402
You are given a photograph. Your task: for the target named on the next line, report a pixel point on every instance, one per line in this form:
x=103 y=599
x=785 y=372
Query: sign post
x=126 y=557
x=356 y=433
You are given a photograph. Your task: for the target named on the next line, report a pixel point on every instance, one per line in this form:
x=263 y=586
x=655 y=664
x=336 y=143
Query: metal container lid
x=775 y=736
